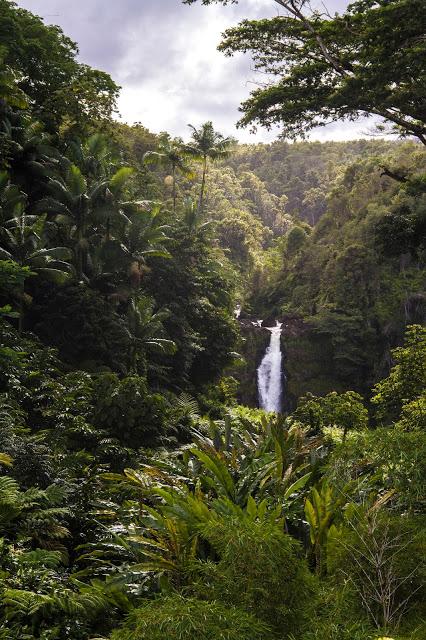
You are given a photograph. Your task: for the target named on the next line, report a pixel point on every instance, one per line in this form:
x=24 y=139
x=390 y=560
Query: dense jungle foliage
x=138 y=499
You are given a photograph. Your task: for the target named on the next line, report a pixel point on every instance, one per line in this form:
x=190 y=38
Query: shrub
x=407 y=379
x=413 y=415
x=336 y=617
x=128 y=411
x=345 y=410
x=390 y=458
x=179 y=618
x=260 y=571
x=382 y=558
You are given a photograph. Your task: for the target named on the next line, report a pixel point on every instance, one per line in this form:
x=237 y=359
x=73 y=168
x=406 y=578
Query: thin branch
x=291 y=7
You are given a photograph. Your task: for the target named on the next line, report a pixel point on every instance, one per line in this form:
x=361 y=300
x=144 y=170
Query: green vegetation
x=138 y=499
x=329 y=67
x=178 y=617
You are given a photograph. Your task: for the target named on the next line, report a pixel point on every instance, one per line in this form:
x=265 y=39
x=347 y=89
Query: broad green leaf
x=298 y=484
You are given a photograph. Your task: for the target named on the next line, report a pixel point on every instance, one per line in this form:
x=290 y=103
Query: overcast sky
x=164 y=56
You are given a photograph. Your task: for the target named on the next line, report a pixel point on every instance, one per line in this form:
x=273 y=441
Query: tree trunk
x=318 y=559
x=21 y=311
x=174 y=187
x=79 y=260
x=203 y=185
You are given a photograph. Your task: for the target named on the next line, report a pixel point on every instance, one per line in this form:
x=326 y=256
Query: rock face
x=309 y=366
x=334 y=353
x=254 y=341
x=310 y=361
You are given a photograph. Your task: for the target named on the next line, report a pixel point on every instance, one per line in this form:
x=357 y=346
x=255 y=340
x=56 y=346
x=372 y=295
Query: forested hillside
x=356 y=277
x=143 y=495
x=304 y=172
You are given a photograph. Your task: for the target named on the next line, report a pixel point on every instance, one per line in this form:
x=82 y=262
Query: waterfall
x=269 y=374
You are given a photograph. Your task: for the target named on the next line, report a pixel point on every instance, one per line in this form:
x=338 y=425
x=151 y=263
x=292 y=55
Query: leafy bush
x=381 y=559
x=128 y=411
x=260 y=570
x=407 y=379
x=344 y=410
x=179 y=618
x=413 y=415
x=335 y=617
x=388 y=458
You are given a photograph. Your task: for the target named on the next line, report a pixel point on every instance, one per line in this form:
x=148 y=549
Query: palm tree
x=192 y=217
x=87 y=211
x=207 y=144
x=146 y=326
x=93 y=157
x=71 y=203
x=29 y=155
x=11 y=197
x=118 y=263
x=24 y=241
x=171 y=152
x=145 y=237
x=109 y=208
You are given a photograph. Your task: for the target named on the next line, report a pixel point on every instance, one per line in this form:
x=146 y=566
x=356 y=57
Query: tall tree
x=171 y=152
x=207 y=144
x=87 y=212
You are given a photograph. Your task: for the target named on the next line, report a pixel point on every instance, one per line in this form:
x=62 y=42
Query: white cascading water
x=269 y=375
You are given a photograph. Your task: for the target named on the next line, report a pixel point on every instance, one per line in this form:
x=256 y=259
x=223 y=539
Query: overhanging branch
x=292 y=7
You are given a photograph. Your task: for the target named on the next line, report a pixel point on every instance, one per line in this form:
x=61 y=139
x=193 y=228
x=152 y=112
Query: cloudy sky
x=164 y=56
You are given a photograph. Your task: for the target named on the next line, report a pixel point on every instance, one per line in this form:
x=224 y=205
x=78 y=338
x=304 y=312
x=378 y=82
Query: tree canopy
x=368 y=60
x=63 y=92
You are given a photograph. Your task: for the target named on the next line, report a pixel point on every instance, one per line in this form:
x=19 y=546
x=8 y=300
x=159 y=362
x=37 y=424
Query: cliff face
x=254 y=341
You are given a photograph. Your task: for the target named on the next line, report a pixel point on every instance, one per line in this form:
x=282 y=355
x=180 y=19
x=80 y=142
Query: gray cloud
x=164 y=56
